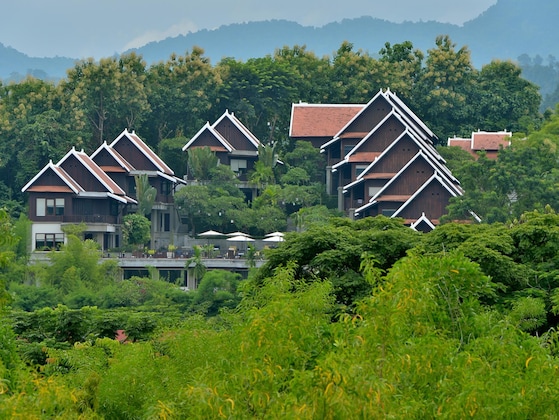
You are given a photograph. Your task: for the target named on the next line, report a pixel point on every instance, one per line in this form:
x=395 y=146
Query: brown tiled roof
x=320 y=120
x=490 y=141
x=50 y=188
x=402 y=198
x=101 y=175
x=353 y=134
x=379 y=175
x=367 y=157
x=113 y=169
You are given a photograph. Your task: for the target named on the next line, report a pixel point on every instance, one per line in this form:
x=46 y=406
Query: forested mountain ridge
x=506 y=30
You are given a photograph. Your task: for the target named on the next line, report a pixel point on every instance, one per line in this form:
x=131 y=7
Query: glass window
x=48 y=241
x=50 y=206
x=41 y=207
x=59 y=207
x=359 y=169
x=347 y=148
x=237 y=165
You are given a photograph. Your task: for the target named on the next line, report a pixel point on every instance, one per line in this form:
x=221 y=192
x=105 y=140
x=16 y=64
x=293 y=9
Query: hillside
x=506 y=30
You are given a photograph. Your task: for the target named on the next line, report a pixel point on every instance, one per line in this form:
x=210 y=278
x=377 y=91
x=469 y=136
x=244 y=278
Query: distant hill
x=15 y=65
x=506 y=30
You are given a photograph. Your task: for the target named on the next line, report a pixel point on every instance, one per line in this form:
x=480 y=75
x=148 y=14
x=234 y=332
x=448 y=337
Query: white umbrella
x=238 y=234
x=273 y=238
x=275 y=234
x=211 y=233
x=240 y=238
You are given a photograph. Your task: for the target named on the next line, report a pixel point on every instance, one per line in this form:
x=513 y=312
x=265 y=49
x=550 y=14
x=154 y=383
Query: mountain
x=15 y=65
x=506 y=30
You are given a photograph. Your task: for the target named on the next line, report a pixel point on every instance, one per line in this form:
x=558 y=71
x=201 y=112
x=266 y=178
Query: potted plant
x=171 y=250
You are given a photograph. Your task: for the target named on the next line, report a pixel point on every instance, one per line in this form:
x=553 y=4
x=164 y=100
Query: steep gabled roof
x=435 y=178
x=112 y=190
x=440 y=176
x=422 y=220
x=356 y=116
x=431 y=154
x=118 y=159
x=405 y=110
x=144 y=149
x=320 y=120
x=239 y=125
x=207 y=128
x=90 y=166
x=73 y=186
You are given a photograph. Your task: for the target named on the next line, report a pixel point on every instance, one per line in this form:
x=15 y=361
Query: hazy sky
x=99 y=28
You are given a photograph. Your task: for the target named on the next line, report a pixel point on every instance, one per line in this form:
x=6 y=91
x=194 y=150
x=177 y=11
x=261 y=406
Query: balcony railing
x=90 y=218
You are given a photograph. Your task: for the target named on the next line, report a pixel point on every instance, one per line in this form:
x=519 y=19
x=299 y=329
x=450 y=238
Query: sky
x=100 y=28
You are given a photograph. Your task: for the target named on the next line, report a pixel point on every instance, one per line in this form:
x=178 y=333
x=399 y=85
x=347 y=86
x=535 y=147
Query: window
x=238 y=165
x=164 y=222
x=50 y=207
x=41 y=207
x=373 y=191
x=359 y=169
x=48 y=241
x=166 y=187
x=114 y=208
x=347 y=148
x=388 y=212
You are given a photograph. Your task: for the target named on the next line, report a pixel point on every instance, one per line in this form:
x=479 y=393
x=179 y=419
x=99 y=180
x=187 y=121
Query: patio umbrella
x=275 y=234
x=238 y=234
x=211 y=233
x=240 y=238
x=273 y=238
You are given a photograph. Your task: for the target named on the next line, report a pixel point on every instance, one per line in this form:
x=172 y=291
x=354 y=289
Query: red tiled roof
x=320 y=120
x=490 y=141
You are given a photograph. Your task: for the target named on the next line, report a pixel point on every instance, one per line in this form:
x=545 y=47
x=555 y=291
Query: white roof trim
x=56 y=169
x=214 y=132
x=126 y=165
x=242 y=128
x=379 y=93
x=423 y=219
x=420 y=189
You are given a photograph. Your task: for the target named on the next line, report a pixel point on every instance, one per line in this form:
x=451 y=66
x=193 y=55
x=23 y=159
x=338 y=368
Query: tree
x=506 y=100
x=145 y=194
x=201 y=160
x=442 y=92
x=182 y=93
x=170 y=151
x=136 y=229
x=308 y=158
x=216 y=291
x=106 y=96
x=335 y=251
x=198 y=266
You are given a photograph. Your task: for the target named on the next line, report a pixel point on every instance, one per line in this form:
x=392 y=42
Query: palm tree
x=198 y=269
x=145 y=194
